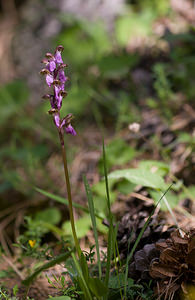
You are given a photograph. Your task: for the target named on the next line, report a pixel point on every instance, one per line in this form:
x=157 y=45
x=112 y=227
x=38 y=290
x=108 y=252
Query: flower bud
x=47 y=97
x=45 y=61
x=68 y=118
x=60 y=48
x=52 y=111
x=62 y=66
x=44 y=71
x=49 y=55
x=63 y=93
x=56 y=82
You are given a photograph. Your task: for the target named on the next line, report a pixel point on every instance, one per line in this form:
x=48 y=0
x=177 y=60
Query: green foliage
x=140 y=176
x=114 y=67
x=103 y=81
x=82 y=225
x=163 y=88
x=3 y=274
x=161 y=84
x=12 y=98
x=57 y=260
x=100 y=197
x=49 y=215
x=4 y=295
x=118 y=153
x=187 y=138
x=93 y=221
x=59 y=283
x=188 y=192
x=134 y=24
x=62 y=200
x=157 y=167
x=125 y=187
x=36 y=227
x=95 y=42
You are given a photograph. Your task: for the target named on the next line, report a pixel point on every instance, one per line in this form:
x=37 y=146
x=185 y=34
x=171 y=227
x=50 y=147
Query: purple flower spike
x=55 y=76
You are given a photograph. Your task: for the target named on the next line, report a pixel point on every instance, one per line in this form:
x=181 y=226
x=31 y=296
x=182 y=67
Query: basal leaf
x=140 y=177
x=97 y=287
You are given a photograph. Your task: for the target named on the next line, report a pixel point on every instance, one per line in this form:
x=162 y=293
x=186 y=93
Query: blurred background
x=128 y=61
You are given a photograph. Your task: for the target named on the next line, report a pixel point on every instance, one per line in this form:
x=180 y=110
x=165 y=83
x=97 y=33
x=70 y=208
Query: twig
x=13 y=267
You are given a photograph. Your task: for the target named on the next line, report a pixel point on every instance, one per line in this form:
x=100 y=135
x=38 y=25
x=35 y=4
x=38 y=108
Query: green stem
x=70 y=206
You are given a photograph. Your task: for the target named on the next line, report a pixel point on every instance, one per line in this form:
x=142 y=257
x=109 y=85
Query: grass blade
x=65 y=201
x=93 y=220
x=116 y=255
x=51 y=263
x=82 y=279
x=110 y=233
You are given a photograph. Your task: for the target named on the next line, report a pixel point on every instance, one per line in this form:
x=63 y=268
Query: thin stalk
x=70 y=206
x=172 y=215
x=93 y=221
x=110 y=217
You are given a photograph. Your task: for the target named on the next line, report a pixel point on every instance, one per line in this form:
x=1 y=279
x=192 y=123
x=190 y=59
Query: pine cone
x=131 y=225
x=175 y=267
x=128 y=231
x=139 y=268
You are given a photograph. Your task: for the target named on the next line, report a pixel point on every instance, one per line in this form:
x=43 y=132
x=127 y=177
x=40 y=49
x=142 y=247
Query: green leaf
x=84 y=267
x=97 y=287
x=154 y=166
x=15 y=290
x=81 y=279
x=140 y=177
x=101 y=227
x=82 y=225
x=125 y=187
x=49 y=215
x=100 y=197
x=185 y=137
x=189 y=192
x=115 y=282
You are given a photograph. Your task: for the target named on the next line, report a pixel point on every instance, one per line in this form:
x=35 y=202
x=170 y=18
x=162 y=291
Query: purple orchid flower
x=70 y=129
x=55 y=76
x=49 y=79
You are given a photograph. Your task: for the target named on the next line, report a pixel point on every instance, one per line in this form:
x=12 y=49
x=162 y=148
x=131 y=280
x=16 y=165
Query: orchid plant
x=56 y=79
x=89 y=286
